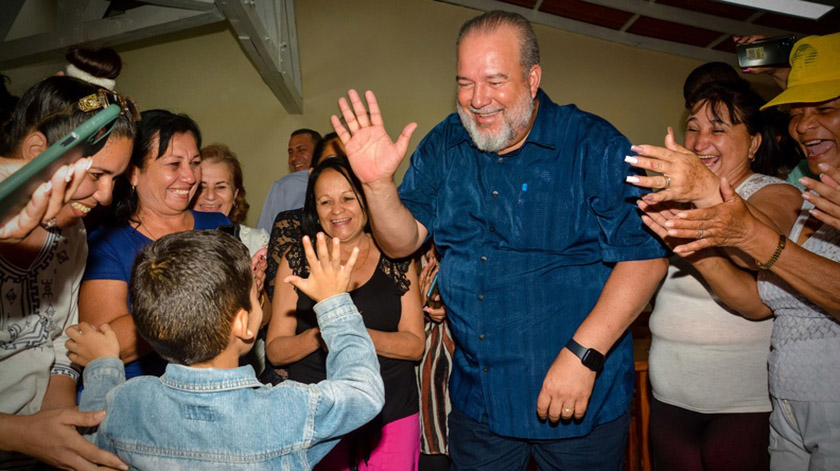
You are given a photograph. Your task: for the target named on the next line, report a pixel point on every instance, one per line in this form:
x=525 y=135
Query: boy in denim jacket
x=194 y=301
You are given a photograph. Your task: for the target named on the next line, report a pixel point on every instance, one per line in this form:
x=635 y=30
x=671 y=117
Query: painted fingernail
x=803 y=181
x=806 y=195
x=68 y=176
x=631 y=160
x=632 y=179
x=746 y=71
x=669 y=223
x=636 y=149
x=824 y=167
x=48 y=186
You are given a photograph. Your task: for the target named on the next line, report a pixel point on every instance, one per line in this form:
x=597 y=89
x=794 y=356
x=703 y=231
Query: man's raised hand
x=372 y=154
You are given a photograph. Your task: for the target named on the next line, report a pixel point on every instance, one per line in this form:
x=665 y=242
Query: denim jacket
x=213 y=419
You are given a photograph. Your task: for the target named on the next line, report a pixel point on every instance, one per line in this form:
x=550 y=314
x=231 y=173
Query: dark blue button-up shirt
x=529 y=239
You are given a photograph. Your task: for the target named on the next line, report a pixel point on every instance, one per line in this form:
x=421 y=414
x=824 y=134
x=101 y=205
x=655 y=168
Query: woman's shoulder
x=113 y=238
x=758 y=182
x=208 y=220
x=397 y=271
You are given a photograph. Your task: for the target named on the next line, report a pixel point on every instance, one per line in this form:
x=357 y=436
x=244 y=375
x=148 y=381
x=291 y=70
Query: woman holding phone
x=41 y=272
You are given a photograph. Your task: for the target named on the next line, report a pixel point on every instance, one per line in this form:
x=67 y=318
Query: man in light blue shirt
x=194 y=300
x=289 y=192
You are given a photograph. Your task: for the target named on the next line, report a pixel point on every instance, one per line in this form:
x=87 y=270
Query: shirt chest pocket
x=542 y=219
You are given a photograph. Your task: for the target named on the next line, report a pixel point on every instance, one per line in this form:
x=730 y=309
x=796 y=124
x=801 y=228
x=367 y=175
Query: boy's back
x=224 y=418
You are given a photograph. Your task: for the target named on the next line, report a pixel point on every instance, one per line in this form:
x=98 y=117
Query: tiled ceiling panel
x=725 y=10
x=700 y=29
x=829 y=23
x=587 y=12
x=676 y=32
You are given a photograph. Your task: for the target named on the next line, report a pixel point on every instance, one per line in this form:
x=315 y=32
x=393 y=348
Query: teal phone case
x=17 y=189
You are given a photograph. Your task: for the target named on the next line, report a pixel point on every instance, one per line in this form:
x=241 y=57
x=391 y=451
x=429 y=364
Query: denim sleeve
x=100 y=377
x=353 y=392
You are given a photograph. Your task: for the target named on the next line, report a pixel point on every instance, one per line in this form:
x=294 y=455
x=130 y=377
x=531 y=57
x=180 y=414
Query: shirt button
x=491 y=229
x=483 y=258
x=480 y=336
x=481 y=297
x=495 y=194
x=486 y=369
x=501 y=160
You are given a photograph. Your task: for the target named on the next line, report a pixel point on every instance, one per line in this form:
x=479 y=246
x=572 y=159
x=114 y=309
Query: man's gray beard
x=514 y=119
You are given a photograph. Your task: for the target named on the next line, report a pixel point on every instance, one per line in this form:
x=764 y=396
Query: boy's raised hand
x=327 y=276
x=87 y=343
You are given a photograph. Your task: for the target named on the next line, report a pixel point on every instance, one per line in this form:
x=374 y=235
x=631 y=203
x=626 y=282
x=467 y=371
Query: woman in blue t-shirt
x=164 y=176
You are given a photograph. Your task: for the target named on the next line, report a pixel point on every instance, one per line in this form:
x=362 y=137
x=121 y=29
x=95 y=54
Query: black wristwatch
x=591 y=358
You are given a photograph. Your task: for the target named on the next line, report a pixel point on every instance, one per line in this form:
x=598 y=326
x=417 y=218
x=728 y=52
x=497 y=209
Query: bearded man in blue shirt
x=545 y=263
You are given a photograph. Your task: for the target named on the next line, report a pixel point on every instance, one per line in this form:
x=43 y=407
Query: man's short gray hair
x=529 y=49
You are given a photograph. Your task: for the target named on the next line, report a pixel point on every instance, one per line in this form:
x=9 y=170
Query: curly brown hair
x=220 y=153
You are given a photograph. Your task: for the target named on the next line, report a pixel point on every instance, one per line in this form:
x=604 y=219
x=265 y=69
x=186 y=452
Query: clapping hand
x=684 y=177
x=827 y=203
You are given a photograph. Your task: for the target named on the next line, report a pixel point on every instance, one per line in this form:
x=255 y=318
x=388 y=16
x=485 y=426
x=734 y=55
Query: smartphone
x=770 y=52
x=433 y=291
x=232 y=229
x=17 y=189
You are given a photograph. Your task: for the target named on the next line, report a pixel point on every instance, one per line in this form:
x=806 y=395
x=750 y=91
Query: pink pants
x=398 y=448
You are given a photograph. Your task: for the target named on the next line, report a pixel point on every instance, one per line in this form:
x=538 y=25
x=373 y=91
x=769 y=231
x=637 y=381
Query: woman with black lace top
x=386 y=293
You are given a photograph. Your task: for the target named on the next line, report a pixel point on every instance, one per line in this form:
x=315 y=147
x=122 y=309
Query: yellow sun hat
x=814 y=71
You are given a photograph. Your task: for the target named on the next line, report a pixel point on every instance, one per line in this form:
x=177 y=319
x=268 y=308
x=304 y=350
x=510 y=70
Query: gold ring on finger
x=701 y=234
x=568 y=411
x=667 y=181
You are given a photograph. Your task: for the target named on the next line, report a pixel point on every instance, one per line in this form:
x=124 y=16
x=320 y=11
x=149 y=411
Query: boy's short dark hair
x=185 y=290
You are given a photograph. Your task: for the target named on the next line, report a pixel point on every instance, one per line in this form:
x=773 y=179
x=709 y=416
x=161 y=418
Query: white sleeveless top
x=805 y=357
x=703 y=356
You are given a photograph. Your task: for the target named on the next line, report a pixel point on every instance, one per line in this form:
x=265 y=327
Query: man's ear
x=33 y=145
x=241 y=327
x=534 y=77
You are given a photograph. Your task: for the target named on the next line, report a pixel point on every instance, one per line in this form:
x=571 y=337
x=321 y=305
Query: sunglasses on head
x=101 y=100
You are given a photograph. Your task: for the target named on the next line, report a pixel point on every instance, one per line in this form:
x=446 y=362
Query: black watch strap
x=591 y=358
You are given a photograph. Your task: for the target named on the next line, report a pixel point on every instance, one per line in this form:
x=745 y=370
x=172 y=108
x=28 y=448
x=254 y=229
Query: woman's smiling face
x=167 y=184
x=98 y=185
x=725 y=148
x=816 y=127
x=217 y=190
x=339 y=211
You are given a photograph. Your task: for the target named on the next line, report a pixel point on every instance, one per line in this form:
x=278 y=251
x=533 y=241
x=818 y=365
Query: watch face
x=593 y=360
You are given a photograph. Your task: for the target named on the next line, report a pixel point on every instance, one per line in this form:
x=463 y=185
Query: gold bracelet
x=775 y=257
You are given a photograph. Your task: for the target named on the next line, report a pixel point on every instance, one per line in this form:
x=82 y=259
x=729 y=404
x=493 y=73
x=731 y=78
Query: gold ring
x=667 y=181
x=701 y=234
x=568 y=411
